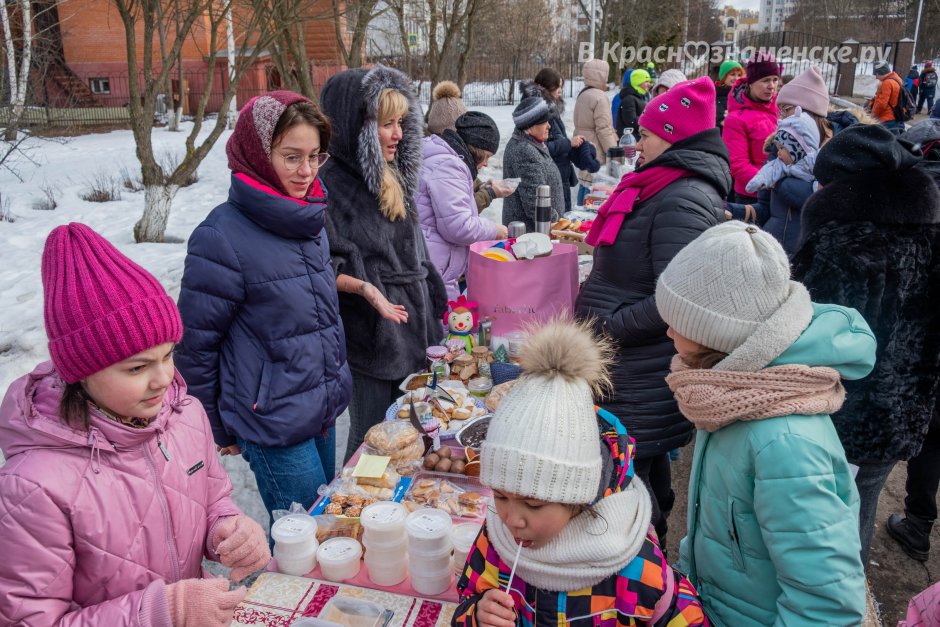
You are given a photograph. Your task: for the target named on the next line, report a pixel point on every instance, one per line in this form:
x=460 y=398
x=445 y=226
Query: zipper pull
x=163 y=450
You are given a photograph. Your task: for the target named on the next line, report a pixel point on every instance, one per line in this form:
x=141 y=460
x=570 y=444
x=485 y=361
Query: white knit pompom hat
x=730 y=290
x=543 y=441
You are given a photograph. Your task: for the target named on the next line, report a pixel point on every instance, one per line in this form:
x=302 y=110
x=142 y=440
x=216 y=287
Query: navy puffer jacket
x=263 y=345
x=619 y=293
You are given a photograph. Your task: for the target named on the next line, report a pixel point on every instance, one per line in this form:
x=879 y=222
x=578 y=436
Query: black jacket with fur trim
x=619 y=293
x=364 y=243
x=872 y=242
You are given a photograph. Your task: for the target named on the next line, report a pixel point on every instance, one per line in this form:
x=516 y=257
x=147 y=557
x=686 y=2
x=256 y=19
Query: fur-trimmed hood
x=902 y=197
x=351 y=100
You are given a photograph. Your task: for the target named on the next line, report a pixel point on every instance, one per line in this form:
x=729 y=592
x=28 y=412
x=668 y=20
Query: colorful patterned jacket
x=645 y=592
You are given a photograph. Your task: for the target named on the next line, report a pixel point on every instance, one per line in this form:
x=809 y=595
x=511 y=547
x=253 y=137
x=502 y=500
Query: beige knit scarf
x=712 y=399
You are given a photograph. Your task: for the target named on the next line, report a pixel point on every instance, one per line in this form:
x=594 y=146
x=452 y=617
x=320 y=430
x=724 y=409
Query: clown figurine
x=460 y=320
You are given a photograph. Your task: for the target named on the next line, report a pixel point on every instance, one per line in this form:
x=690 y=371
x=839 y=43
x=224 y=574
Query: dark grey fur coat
x=530 y=160
x=364 y=243
x=872 y=242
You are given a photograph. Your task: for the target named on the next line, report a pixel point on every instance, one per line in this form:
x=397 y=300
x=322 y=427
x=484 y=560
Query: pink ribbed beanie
x=100 y=307
x=683 y=111
x=808 y=91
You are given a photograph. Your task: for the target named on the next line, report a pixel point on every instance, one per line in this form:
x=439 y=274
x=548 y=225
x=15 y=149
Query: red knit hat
x=683 y=111
x=99 y=306
x=761 y=66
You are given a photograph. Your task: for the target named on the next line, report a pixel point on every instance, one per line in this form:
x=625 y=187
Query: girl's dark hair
x=303 y=112
x=478 y=154
x=548 y=78
x=73 y=407
x=703 y=360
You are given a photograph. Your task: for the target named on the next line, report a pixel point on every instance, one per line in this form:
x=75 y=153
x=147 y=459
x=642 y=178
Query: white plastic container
x=396 y=548
x=355 y=612
x=463 y=536
x=384 y=521
x=295 y=544
x=431 y=586
x=438 y=563
x=384 y=572
x=340 y=558
x=429 y=530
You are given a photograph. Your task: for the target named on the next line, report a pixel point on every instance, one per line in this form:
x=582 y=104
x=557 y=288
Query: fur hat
x=99 y=306
x=685 y=110
x=863 y=147
x=543 y=440
x=761 y=66
x=446 y=107
x=730 y=290
x=808 y=90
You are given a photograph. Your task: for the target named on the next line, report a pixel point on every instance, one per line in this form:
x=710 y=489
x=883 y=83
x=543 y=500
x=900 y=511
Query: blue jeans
x=582 y=192
x=287 y=474
x=870 y=480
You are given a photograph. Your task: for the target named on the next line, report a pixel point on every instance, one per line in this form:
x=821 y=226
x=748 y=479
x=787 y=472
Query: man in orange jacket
x=886 y=98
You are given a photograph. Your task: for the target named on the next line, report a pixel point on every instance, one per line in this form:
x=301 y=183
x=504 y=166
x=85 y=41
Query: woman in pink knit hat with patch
x=112 y=493
x=676 y=192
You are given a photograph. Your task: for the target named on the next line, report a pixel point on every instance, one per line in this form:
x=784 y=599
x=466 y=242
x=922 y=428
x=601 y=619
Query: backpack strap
x=664 y=604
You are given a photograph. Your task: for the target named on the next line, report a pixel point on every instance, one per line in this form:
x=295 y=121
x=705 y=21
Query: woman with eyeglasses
x=392 y=298
x=263 y=345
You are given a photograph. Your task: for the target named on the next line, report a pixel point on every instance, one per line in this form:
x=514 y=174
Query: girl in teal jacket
x=773 y=509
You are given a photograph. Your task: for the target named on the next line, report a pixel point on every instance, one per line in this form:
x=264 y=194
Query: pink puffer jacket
x=747 y=127
x=92 y=524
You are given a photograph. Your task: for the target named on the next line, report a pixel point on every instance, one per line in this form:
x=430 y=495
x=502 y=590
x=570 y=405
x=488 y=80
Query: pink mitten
x=241 y=545
x=202 y=602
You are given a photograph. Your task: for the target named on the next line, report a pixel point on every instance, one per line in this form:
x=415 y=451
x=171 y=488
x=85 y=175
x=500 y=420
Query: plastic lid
x=294 y=528
x=339 y=551
x=352 y=611
x=383 y=516
x=480 y=383
x=464 y=535
x=429 y=524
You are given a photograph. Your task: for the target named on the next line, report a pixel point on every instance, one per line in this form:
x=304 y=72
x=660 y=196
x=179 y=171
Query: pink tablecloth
x=276 y=600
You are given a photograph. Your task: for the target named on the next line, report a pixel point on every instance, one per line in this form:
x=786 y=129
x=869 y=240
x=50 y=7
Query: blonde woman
x=391 y=298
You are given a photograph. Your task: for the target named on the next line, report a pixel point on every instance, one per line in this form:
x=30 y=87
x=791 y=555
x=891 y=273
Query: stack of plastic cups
x=429 y=551
x=463 y=536
x=295 y=544
x=383 y=536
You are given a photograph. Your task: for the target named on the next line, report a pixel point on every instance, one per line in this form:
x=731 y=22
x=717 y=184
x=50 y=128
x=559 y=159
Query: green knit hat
x=726 y=67
x=637 y=78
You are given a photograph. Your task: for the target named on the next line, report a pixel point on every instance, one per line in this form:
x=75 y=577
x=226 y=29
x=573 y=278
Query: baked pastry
x=389 y=479
x=354 y=511
x=388 y=437
x=333 y=508
x=355 y=499
x=470 y=499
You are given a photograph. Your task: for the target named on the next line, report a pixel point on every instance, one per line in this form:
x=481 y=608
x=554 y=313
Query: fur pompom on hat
x=730 y=290
x=446 y=107
x=543 y=441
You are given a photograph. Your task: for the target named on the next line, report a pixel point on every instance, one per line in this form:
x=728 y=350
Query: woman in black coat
x=635 y=240
x=391 y=296
x=871 y=240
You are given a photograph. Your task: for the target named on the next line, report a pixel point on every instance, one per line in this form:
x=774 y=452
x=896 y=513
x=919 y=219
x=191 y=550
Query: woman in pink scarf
x=676 y=192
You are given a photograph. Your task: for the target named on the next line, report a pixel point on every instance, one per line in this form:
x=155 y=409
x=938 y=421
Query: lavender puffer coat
x=94 y=524
x=448 y=212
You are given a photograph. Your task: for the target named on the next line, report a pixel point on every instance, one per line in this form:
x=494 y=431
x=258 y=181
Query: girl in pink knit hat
x=112 y=493
x=676 y=192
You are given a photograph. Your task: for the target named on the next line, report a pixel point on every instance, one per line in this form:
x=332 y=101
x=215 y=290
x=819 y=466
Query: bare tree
x=354 y=16
x=18 y=76
x=149 y=76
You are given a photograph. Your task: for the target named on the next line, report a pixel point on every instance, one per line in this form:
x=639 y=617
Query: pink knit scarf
x=633 y=188
x=712 y=399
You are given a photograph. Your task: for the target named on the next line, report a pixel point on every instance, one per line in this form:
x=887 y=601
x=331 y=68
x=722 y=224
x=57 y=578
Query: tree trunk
x=157 y=202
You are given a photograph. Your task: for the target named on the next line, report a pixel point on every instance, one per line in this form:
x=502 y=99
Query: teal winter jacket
x=773 y=509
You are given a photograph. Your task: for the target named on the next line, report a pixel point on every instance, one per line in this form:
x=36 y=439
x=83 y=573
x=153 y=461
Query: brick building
x=84 y=53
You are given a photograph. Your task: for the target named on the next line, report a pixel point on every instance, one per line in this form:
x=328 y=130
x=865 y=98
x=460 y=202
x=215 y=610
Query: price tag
x=371 y=466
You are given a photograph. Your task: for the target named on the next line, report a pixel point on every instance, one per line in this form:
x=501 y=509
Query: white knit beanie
x=543 y=441
x=730 y=290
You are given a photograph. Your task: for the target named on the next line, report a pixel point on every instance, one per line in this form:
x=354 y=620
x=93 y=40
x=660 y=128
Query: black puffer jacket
x=632 y=104
x=872 y=241
x=364 y=243
x=619 y=291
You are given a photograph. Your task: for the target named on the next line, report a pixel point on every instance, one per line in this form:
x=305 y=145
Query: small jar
x=480 y=387
x=484 y=358
x=435 y=353
x=339 y=558
x=295 y=544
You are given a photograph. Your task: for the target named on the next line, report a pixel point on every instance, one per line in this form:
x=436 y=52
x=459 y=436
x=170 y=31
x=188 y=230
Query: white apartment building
x=774 y=13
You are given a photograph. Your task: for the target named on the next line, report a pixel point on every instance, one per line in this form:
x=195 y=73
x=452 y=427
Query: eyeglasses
x=293 y=162
x=785 y=110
